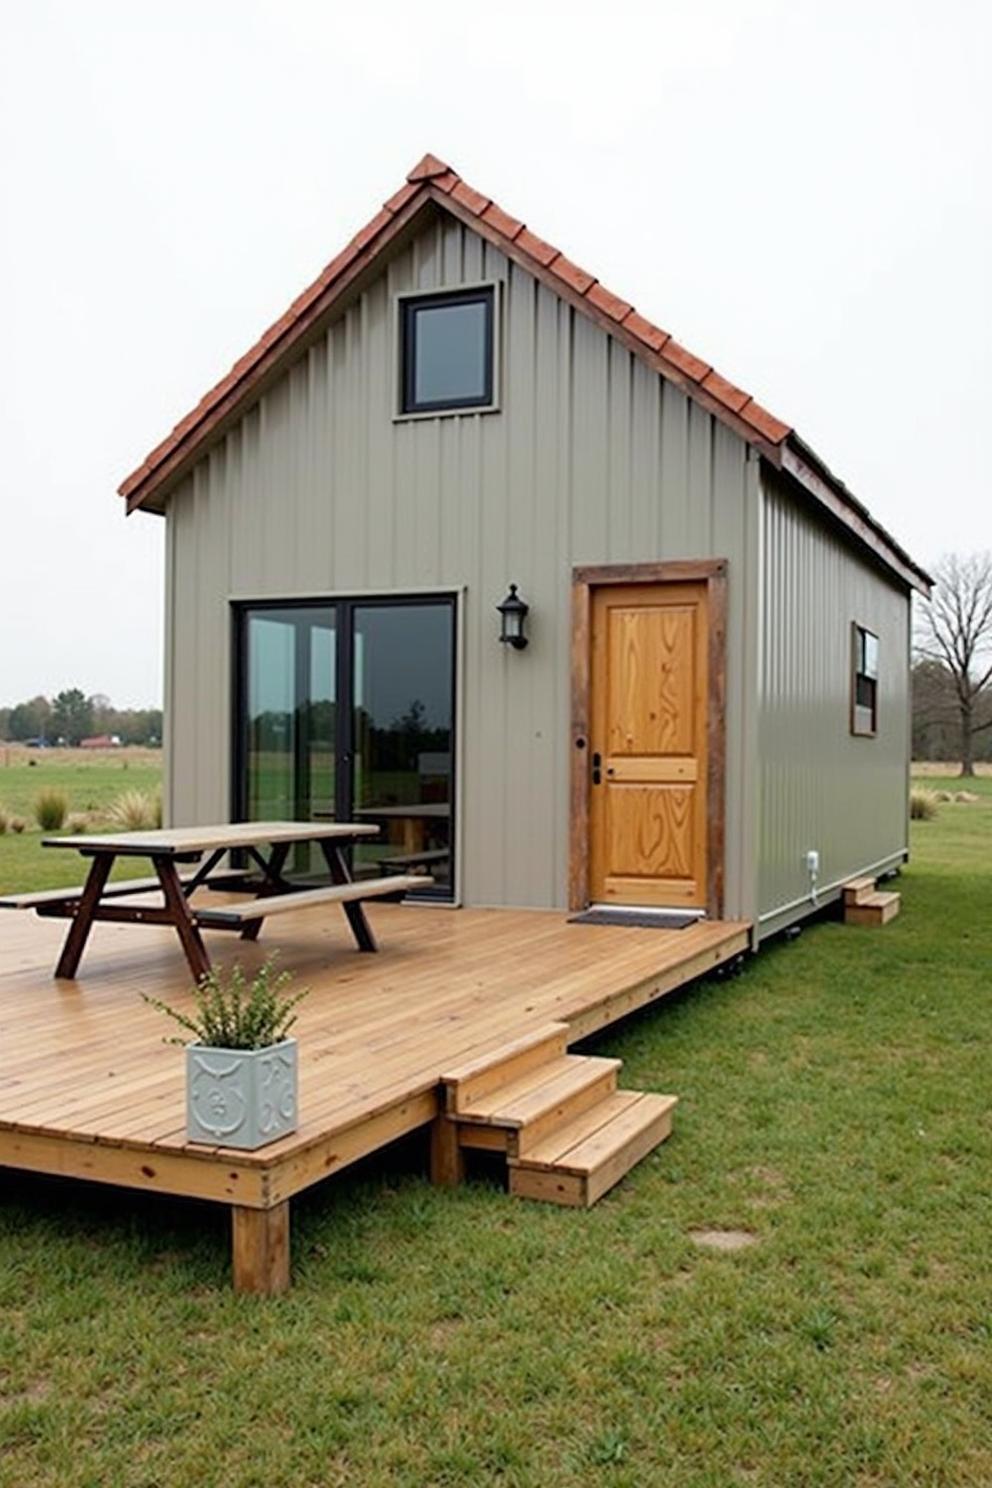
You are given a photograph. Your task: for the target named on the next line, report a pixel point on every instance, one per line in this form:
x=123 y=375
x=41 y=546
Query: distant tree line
x=397 y=746
x=71 y=716
x=952 y=674
x=937 y=717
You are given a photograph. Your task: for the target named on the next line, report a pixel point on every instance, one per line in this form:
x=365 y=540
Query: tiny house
x=467 y=546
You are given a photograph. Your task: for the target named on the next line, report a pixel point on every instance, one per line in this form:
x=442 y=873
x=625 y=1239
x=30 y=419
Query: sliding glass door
x=345 y=711
x=289 y=687
x=288 y=763
x=402 y=706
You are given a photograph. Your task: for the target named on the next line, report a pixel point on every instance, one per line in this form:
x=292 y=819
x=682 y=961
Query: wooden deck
x=89 y=1090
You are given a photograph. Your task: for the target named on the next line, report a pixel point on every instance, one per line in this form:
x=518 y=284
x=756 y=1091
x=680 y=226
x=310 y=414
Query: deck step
x=856 y=890
x=568 y=1133
x=535 y=1104
x=483 y=1073
x=581 y=1160
x=874 y=909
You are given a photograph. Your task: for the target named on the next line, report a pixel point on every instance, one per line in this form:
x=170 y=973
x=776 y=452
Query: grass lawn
x=91 y=781
x=835 y=1105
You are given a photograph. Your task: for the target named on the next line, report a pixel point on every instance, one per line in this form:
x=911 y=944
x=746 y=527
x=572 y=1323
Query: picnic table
x=172 y=847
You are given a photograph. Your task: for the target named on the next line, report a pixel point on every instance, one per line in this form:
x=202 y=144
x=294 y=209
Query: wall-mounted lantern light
x=513 y=613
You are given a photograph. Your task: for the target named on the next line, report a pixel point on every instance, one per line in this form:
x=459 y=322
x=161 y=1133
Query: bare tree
x=955 y=629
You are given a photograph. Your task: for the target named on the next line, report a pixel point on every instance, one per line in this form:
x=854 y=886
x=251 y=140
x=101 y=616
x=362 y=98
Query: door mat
x=642 y=921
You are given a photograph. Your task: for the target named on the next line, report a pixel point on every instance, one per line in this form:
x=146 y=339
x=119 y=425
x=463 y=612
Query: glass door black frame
x=344 y=712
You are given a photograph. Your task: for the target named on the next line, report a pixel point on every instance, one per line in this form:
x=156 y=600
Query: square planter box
x=240 y=1097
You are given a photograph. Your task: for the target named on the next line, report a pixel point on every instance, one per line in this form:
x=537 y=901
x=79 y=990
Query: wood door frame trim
x=585 y=579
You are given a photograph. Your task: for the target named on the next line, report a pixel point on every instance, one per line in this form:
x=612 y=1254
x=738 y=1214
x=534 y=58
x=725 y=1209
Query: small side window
x=446 y=355
x=864 y=682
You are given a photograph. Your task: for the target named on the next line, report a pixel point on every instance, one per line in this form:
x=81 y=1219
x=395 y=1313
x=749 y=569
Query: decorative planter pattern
x=240 y=1097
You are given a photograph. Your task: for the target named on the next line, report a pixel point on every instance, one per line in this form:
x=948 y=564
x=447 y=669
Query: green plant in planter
x=241 y=1065
x=235 y=1013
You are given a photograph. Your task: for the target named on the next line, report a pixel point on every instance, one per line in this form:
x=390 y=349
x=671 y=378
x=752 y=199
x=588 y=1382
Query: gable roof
x=433 y=182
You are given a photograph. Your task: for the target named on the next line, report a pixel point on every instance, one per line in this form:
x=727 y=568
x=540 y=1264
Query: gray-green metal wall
x=820 y=786
x=317 y=490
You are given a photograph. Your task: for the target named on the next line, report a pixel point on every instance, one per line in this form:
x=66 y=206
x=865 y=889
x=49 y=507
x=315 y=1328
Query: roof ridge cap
x=427 y=167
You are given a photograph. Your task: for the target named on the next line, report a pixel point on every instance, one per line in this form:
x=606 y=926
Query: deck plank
x=88 y=1082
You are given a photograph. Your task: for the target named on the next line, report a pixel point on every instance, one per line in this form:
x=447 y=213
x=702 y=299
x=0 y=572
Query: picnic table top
x=166 y=841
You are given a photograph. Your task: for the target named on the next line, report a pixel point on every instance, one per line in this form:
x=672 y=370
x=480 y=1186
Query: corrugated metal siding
x=592 y=459
x=822 y=787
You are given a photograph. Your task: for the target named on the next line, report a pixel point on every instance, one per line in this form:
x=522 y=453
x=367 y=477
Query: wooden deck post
x=260 y=1249
x=447 y=1163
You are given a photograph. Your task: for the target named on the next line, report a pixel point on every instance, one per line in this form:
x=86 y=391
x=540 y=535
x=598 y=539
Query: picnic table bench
x=413 y=860
x=101 y=899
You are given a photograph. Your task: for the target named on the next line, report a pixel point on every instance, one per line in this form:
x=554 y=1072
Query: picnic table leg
x=338 y=868
x=260 y=1249
x=82 y=921
x=182 y=917
x=273 y=883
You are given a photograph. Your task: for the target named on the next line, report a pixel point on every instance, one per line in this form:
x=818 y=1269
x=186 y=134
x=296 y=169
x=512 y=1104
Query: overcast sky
x=799 y=191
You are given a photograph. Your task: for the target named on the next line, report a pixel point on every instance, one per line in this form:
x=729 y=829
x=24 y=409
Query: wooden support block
x=856 y=890
x=447 y=1157
x=874 y=909
x=260 y=1249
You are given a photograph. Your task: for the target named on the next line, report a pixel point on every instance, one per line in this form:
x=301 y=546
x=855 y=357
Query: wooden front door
x=647 y=744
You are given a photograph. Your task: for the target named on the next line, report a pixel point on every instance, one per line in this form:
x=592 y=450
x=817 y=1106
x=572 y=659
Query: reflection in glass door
x=402 y=709
x=346 y=712
x=288 y=716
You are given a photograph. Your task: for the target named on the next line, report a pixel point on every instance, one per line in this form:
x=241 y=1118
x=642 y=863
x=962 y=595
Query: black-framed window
x=447 y=351
x=864 y=681
x=344 y=710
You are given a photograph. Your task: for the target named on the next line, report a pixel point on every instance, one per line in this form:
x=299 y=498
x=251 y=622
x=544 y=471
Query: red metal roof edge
x=803 y=463
x=432 y=172
x=432 y=178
